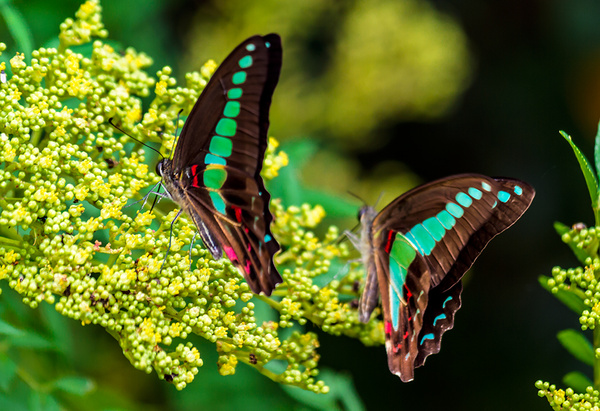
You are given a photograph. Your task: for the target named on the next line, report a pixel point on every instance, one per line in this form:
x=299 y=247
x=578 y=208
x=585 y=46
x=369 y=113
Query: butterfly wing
x=219 y=156
x=424 y=242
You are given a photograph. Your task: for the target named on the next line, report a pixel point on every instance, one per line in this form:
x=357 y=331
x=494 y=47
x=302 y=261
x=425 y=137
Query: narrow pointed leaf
x=8 y=329
x=597 y=150
x=579 y=346
x=588 y=171
x=342 y=394
x=18 y=27
x=8 y=370
x=577 y=380
x=568 y=298
x=75 y=385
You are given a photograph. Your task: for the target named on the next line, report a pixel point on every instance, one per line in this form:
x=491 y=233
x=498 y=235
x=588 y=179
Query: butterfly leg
x=170 y=238
x=192 y=246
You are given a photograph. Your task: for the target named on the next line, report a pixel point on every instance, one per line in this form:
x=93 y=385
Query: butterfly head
x=160 y=166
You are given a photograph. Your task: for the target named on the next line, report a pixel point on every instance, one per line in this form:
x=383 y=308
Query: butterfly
x=417 y=249
x=215 y=171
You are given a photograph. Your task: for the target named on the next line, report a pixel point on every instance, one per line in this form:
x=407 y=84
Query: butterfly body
x=416 y=251
x=215 y=171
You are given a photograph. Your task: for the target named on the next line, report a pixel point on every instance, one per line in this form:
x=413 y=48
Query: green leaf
x=32 y=340
x=577 y=380
x=18 y=27
x=8 y=370
x=342 y=394
x=568 y=298
x=7 y=329
x=588 y=172
x=561 y=229
x=579 y=346
x=597 y=149
x=75 y=385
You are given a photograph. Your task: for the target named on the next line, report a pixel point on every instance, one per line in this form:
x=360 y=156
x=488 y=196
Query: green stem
x=596 y=359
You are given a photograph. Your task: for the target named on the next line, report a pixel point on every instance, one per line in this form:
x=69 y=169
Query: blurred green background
x=377 y=96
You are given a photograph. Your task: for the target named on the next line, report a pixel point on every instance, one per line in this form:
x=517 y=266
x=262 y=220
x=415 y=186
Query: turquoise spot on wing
x=214 y=178
x=234 y=93
x=220 y=146
x=232 y=109
x=455 y=210
x=211 y=159
x=394 y=307
x=217 y=201
x=495 y=204
x=268 y=238
x=424 y=240
x=439 y=317
x=226 y=127
x=435 y=228
x=239 y=77
x=475 y=193
x=486 y=186
x=250 y=47
x=245 y=62
x=429 y=336
x=401 y=256
x=267 y=44
x=445 y=301
x=402 y=251
x=464 y=200
x=503 y=196
x=518 y=190
x=446 y=219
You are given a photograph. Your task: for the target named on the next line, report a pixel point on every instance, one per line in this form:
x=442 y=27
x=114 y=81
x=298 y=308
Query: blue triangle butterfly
x=417 y=249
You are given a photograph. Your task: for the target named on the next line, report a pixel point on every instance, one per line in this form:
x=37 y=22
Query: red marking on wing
x=405 y=335
x=230 y=253
x=390 y=240
x=238 y=214
x=388 y=327
x=408 y=293
x=397 y=348
x=195 y=182
x=248 y=267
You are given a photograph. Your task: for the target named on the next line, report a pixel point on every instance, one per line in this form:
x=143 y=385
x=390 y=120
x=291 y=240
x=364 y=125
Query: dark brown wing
x=425 y=241
x=219 y=156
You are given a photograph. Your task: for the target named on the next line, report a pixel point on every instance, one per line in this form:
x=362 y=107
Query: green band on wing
x=239 y=77
x=401 y=256
x=421 y=238
x=211 y=159
x=455 y=210
x=226 y=127
x=503 y=196
x=446 y=219
x=475 y=193
x=217 y=201
x=435 y=228
x=234 y=93
x=245 y=62
x=232 y=109
x=220 y=146
x=214 y=178
x=464 y=200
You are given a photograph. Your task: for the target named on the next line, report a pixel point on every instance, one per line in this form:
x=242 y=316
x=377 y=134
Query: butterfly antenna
x=110 y=121
x=359 y=198
x=176 y=132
